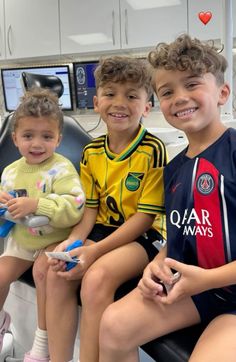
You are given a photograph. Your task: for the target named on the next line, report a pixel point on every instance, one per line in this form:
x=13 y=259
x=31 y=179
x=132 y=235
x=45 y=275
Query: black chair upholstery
x=174 y=347
x=73 y=141
x=8 y=151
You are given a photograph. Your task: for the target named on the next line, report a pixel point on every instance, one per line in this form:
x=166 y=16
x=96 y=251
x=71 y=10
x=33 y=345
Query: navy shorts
x=212 y=303
x=100 y=231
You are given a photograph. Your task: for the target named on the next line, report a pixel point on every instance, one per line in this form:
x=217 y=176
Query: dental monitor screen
x=13 y=86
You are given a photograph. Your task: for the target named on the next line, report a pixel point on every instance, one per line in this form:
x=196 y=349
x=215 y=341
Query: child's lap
x=146 y=320
x=14 y=249
x=100 y=231
x=210 y=305
x=120 y=264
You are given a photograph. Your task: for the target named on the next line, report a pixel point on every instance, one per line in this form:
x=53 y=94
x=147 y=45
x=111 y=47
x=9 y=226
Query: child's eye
x=109 y=94
x=132 y=96
x=191 y=85
x=27 y=136
x=165 y=94
x=48 y=137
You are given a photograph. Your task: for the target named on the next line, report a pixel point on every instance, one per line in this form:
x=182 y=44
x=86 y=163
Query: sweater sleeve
x=65 y=204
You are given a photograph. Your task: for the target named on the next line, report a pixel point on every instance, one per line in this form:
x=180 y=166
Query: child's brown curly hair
x=122 y=69
x=37 y=103
x=186 y=53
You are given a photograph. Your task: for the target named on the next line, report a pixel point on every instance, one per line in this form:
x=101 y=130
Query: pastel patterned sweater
x=56 y=184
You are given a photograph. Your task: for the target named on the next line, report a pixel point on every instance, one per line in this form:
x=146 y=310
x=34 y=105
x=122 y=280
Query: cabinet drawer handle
x=8 y=39
x=113 y=28
x=126 y=27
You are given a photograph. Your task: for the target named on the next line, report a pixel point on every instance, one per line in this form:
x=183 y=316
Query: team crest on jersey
x=205 y=184
x=133 y=180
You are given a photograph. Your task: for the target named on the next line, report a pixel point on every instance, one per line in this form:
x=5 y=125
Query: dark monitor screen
x=84 y=84
x=13 y=88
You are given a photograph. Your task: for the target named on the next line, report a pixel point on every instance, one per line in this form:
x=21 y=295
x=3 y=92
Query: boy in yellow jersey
x=124 y=214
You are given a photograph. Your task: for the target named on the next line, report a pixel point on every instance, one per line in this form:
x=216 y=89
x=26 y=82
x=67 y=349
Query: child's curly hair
x=122 y=69
x=37 y=103
x=186 y=53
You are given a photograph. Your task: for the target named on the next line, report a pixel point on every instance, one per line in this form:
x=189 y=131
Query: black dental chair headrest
x=51 y=82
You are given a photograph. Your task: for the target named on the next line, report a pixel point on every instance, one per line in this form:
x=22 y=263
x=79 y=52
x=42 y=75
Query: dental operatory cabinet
x=42 y=33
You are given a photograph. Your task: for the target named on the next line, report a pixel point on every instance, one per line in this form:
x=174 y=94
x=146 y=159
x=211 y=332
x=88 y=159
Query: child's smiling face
x=189 y=102
x=121 y=105
x=36 y=138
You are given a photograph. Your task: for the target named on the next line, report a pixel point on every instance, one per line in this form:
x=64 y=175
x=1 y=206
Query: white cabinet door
x=32 y=28
x=144 y=23
x=89 y=26
x=208 y=30
x=213 y=29
x=234 y=17
x=2 y=32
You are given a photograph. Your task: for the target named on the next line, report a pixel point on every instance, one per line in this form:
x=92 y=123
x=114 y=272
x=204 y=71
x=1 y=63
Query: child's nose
x=120 y=100
x=37 y=142
x=181 y=97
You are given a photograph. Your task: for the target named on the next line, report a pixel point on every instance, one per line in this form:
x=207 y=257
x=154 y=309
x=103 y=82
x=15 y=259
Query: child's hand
x=59 y=265
x=86 y=255
x=193 y=281
x=63 y=245
x=21 y=206
x=5 y=197
x=156 y=270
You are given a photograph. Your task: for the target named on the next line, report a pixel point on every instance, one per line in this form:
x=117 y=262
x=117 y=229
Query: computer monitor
x=13 y=88
x=84 y=84
x=85 y=87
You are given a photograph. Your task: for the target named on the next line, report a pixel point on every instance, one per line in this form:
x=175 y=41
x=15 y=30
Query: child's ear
x=147 y=109
x=224 y=94
x=95 y=104
x=59 y=139
x=13 y=136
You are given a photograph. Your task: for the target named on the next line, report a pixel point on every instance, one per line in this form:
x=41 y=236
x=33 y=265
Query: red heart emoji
x=205 y=17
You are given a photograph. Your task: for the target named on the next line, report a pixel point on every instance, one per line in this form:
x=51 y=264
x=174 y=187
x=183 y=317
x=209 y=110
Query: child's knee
x=94 y=286
x=112 y=333
x=40 y=269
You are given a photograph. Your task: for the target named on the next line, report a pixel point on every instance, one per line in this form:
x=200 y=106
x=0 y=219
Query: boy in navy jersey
x=122 y=176
x=200 y=201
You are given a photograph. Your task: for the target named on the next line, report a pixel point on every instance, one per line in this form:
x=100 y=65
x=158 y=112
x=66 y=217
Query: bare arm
x=85 y=226
x=137 y=225
x=127 y=232
x=79 y=231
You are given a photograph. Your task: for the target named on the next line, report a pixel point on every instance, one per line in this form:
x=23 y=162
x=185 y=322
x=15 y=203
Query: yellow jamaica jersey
x=120 y=185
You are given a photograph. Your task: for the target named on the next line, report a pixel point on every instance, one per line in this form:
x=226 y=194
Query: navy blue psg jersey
x=200 y=200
